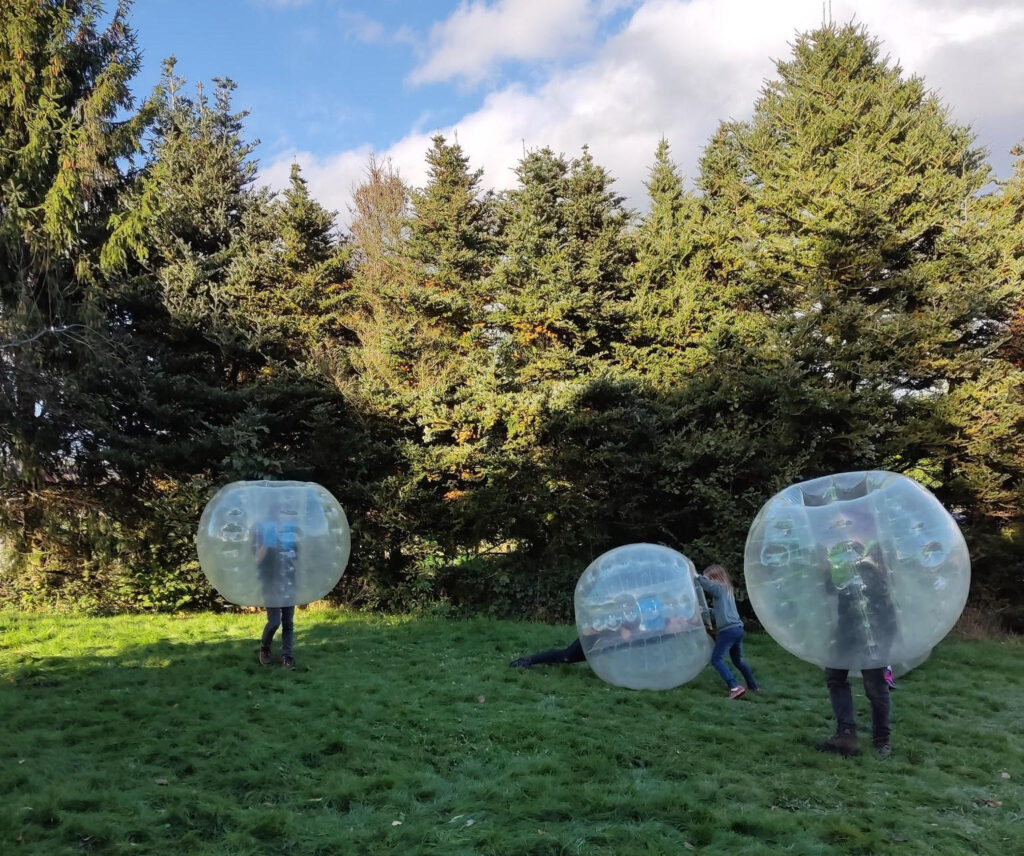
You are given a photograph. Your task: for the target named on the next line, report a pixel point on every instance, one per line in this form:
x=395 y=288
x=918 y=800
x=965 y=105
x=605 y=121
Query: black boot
x=843 y=742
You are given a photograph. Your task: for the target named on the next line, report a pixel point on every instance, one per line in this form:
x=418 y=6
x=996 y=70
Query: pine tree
x=561 y=283
x=838 y=210
x=420 y=319
x=660 y=251
x=451 y=236
x=294 y=275
x=978 y=426
x=670 y=304
x=216 y=299
x=66 y=125
x=180 y=309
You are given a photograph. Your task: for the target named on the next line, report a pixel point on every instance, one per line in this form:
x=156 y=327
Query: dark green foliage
x=498 y=388
x=63 y=89
x=981 y=421
x=860 y=294
x=561 y=283
x=451 y=241
x=228 y=302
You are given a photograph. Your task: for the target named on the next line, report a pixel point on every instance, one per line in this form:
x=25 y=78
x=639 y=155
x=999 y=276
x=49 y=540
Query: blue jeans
x=280 y=616
x=731 y=640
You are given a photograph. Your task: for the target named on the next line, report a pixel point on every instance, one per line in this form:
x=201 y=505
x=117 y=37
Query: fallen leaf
x=993 y=803
x=470 y=822
x=1004 y=774
x=22 y=761
x=161 y=781
x=688 y=845
x=481 y=699
x=396 y=823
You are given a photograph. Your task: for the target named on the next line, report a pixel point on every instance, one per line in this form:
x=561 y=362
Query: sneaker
x=264 y=656
x=841 y=743
x=883 y=750
x=890 y=678
x=288 y=662
x=736 y=692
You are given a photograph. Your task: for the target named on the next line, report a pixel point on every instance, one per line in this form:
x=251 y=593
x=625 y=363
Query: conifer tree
x=451 y=236
x=979 y=423
x=216 y=302
x=295 y=269
x=181 y=309
x=658 y=239
x=670 y=304
x=66 y=125
x=836 y=212
x=420 y=315
x=561 y=282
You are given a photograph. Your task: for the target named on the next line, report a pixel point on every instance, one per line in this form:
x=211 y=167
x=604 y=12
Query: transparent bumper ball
x=857 y=570
x=264 y=543
x=639 y=617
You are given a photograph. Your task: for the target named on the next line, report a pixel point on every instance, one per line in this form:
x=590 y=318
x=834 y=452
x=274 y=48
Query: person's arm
x=706 y=586
x=710 y=586
x=258 y=547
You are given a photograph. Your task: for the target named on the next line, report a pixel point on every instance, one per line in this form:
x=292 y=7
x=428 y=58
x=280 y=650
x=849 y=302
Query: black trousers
x=841 y=696
x=572 y=654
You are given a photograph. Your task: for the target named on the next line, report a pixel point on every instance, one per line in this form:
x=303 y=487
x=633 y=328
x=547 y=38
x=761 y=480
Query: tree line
x=497 y=386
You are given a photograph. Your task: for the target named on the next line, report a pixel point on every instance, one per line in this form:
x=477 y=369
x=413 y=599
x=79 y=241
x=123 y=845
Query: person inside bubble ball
x=716 y=582
x=275 y=548
x=613 y=632
x=866 y=625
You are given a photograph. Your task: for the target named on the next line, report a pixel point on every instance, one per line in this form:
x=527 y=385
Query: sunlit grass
x=161 y=734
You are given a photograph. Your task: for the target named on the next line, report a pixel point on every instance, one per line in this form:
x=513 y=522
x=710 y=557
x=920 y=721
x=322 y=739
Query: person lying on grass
x=719 y=586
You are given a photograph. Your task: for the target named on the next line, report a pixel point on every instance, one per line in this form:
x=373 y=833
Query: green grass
x=161 y=734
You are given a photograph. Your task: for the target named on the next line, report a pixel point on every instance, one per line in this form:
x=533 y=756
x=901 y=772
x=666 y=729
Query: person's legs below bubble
x=736 y=655
x=287 y=630
x=553 y=656
x=877 y=691
x=269 y=629
x=844 y=741
x=726 y=639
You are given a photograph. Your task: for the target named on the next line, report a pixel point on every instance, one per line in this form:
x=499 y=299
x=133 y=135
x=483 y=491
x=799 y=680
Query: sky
x=327 y=83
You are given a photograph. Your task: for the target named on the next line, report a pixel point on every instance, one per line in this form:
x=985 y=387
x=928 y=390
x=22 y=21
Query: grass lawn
x=162 y=734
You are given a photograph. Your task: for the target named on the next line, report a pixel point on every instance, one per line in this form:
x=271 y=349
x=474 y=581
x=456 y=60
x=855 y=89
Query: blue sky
x=327 y=82
x=326 y=75
x=309 y=73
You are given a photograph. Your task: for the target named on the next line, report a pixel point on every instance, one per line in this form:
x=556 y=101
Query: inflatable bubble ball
x=857 y=570
x=639 y=617
x=266 y=543
x=899 y=667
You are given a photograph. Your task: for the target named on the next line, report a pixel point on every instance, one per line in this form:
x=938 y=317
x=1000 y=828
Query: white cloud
x=678 y=68
x=477 y=36
x=363 y=28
